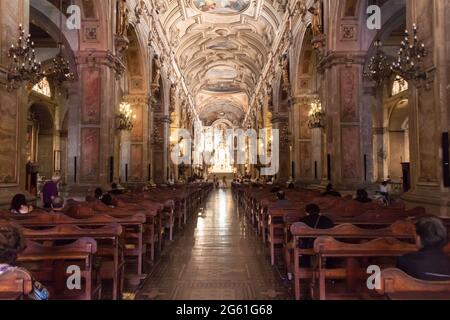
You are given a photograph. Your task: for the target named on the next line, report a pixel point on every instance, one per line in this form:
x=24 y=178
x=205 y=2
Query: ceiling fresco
x=222 y=6
x=222 y=48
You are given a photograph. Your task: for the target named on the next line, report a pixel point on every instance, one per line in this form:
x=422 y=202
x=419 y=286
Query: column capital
x=161 y=118
x=137 y=99
x=95 y=58
x=348 y=58
x=280 y=118
x=302 y=98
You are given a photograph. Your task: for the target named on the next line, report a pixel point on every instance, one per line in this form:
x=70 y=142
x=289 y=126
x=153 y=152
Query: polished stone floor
x=215 y=258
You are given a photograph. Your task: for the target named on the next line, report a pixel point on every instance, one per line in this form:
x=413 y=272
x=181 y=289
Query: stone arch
x=48 y=17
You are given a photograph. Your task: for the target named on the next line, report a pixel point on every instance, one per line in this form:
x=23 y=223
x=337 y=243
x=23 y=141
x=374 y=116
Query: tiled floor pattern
x=215 y=258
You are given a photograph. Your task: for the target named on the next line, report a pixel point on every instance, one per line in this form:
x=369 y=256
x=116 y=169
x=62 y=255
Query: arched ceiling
x=221 y=47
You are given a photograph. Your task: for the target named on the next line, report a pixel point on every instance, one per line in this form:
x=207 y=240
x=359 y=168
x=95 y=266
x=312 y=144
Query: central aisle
x=215 y=258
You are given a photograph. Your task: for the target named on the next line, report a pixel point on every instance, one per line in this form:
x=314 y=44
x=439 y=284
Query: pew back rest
x=381 y=247
x=16 y=281
x=397 y=281
x=82 y=245
x=400 y=230
x=48 y=220
x=69 y=231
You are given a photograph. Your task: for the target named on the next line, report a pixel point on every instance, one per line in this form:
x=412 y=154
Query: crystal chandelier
x=410 y=58
x=60 y=71
x=379 y=67
x=125 y=117
x=316 y=115
x=23 y=64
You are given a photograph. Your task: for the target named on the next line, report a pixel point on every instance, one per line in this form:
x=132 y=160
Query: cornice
x=348 y=58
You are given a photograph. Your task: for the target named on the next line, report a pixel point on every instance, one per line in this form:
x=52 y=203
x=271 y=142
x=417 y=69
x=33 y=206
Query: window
x=400 y=85
x=43 y=87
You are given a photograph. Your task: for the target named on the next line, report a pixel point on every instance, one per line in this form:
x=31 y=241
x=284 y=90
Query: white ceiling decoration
x=221 y=48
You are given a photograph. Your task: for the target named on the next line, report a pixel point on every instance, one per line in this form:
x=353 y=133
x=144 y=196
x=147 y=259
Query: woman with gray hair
x=430 y=263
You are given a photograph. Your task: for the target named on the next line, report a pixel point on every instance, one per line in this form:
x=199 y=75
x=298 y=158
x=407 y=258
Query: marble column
x=346 y=116
x=429 y=115
x=92 y=122
x=134 y=145
x=281 y=122
x=307 y=142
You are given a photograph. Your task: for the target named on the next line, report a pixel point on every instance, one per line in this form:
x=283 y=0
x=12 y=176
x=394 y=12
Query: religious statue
x=317 y=23
x=122 y=18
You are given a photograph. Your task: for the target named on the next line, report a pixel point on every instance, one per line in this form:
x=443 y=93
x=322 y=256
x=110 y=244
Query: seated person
x=275 y=189
x=58 y=204
x=50 y=191
x=98 y=193
x=315 y=220
x=19 y=205
x=331 y=192
x=362 y=196
x=430 y=263
x=281 y=200
x=12 y=243
x=107 y=199
x=115 y=190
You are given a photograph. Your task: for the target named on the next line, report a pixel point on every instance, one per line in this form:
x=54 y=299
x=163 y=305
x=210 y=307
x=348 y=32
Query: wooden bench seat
x=133 y=227
x=110 y=244
x=400 y=230
x=48 y=264
x=328 y=247
x=15 y=284
x=397 y=285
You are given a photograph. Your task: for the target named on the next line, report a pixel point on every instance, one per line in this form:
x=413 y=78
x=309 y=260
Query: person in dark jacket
x=282 y=201
x=362 y=196
x=430 y=263
x=331 y=192
x=316 y=221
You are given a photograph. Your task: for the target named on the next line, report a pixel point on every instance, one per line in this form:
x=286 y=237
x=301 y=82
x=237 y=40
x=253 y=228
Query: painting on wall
x=222 y=6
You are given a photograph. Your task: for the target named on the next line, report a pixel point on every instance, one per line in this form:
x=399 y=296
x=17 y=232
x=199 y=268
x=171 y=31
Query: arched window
x=43 y=87
x=400 y=85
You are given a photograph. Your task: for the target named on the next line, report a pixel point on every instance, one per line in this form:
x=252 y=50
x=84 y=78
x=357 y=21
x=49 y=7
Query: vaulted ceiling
x=221 y=46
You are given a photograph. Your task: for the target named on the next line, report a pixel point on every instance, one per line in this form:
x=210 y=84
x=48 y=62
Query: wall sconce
x=316 y=115
x=125 y=117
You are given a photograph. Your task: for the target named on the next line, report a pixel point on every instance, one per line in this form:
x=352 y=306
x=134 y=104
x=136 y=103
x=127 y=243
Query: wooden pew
x=49 y=264
x=109 y=244
x=133 y=230
x=404 y=230
x=328 y=247
x=276 y=226
x=397 y=285
x=15 y=284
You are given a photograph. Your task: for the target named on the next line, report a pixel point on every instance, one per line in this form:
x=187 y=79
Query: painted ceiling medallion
x=222 y=6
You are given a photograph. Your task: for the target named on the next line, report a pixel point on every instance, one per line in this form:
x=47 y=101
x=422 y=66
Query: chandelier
x=60 y=71
x=379 y=67
x=125 y=117
x=316 y=115
x=410 y=58
x=23 y=64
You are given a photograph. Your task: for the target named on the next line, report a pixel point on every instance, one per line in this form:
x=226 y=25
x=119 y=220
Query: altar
x=222 y=161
